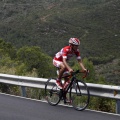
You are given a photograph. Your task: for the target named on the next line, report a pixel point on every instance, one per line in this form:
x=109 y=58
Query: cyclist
x=61 y=58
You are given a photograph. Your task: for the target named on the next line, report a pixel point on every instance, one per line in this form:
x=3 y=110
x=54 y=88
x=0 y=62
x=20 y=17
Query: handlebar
x=78 y=71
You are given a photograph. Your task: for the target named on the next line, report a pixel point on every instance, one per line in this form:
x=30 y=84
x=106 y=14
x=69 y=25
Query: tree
x=7 y=49
x=33 y=58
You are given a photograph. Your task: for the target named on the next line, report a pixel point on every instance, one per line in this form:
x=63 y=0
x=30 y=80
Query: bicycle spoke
x=52 y=92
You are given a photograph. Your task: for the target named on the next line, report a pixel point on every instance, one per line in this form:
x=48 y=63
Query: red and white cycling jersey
x=67 y=53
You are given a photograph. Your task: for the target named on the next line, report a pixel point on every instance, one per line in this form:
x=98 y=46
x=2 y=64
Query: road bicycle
x=76 y=92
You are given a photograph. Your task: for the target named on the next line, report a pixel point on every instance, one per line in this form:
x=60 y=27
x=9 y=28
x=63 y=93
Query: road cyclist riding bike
x=61 y=58
x=71 y=90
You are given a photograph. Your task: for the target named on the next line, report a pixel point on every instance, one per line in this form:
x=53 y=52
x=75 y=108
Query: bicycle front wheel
x=52 y=92
x=79 y=94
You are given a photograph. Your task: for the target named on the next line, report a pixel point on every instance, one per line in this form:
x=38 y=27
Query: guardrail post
x=23 y=91
x=118 y=106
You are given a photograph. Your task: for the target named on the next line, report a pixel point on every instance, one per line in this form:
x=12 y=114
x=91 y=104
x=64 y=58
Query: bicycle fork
x=77 y=88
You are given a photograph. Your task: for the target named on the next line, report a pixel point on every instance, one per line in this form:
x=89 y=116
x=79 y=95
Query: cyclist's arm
x=81 y=64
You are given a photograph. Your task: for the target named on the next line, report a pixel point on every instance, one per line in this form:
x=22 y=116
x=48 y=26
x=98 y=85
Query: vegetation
x=47 y=23
x=31 y=31
x=32 y=60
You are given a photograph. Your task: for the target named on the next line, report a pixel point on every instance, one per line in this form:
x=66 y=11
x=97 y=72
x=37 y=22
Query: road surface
x=16 y=108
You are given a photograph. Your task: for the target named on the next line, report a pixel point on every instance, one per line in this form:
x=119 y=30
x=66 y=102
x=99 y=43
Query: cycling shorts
x=57 y=63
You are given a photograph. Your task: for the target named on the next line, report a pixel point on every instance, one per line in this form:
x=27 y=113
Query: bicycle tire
x=80 y=96
x=52 y=93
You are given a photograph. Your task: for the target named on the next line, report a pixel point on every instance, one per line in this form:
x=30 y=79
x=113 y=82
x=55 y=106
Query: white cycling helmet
x=74 y=41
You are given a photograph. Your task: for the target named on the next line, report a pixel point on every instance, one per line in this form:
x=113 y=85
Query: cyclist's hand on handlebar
x=85 y=71
x=71 y=70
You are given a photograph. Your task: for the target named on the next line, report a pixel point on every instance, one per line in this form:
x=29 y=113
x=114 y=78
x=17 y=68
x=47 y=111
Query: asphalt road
x=15 y=108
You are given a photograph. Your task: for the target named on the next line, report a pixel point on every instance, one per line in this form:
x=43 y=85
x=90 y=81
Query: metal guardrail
x=98 y=90
x=22 y=81
x=107 y=91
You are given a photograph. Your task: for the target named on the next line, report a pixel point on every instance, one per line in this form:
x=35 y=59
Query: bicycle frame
x=73 y=78
x=69 y=86
x=73 y=94
x=65 y=91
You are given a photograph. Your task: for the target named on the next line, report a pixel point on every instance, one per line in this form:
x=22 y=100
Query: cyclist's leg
x=65 y=73
x=60 y=72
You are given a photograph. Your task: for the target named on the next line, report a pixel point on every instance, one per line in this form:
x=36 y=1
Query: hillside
x=49 y=24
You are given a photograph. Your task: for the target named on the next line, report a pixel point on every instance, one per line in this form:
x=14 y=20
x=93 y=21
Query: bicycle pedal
x=62 y=98
x=69 y=102
x=46 y=98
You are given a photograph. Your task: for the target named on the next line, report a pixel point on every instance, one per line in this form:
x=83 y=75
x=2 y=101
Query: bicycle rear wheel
x=79 y=94
x=52 y=92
